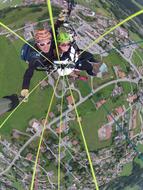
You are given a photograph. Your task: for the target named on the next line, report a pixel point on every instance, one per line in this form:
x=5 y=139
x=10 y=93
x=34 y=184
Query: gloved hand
x=96 y=67
x=25 y=94
x=63 y=15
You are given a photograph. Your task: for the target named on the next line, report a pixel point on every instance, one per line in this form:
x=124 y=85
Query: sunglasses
x=44 y=44
x=65 y=44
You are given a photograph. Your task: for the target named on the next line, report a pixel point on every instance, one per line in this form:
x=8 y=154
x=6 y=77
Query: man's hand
x=25 y=94
x=63 y=15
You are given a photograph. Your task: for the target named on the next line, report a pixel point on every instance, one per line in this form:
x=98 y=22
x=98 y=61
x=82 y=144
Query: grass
x=10 y=3
x=127 y=169
x=83 y=87
x=137 y=4
x=136 y=37
x=17 y=185
x=132 y=188
x=17 y=17
x=140 y=147
x=52 y=167
x=113 y=59
x=11 y=77
x=95 y=6
x=11 y=69
x=137 y=160
x=138 y=127
x=137 y=58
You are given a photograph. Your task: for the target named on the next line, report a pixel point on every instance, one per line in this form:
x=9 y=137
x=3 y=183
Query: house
x=118 y=90
x=110 y=118
x=43 y=84
x=36 y=126
x=29 y=156
x=15 y=134
x=105 y=132
x=51 y=115
x=122 y=32
x=61 y=128
x=119 y=110
x=132 y=98
x=29 y=31
x=70 y=100
x=44 y=122
x=100 y=103
x=121 y=74
x=75 y=142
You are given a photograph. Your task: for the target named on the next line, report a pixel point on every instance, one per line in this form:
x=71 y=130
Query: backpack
x=27 y=52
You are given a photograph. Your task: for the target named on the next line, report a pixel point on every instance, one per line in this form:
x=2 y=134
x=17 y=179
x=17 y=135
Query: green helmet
x=63 y=37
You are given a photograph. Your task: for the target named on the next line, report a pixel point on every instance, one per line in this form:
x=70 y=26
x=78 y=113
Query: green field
x=132 y=188
x=17 y=17
x=84 y=87
x=93 y=119
x=127 y=169
x=137 y=4
x=137 y=160
x=113 y=59
x=137 y=57
x=138 y=127
x=9 y=3
x=96 y=6
x=11 y=76
x=136 y=38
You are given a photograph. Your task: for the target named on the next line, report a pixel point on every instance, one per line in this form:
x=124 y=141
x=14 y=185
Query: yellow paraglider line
x=42 y=135
x=84 y=140
x=60 y=132
x=52 y=25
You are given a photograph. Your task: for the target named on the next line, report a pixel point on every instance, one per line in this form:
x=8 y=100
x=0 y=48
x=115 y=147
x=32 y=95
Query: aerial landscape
x=78 y=123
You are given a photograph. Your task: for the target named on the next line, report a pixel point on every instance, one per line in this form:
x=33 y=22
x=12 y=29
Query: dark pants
x=84 y=64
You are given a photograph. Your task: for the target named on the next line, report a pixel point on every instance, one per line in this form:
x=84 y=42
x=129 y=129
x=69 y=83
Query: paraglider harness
x=27 y=53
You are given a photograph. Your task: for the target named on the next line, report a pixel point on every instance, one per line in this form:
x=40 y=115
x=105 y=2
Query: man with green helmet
x=69 y=53
x=63 y=37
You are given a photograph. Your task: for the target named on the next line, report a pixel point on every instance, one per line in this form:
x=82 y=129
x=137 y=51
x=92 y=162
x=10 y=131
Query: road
x=89 y=95
x=19 y=152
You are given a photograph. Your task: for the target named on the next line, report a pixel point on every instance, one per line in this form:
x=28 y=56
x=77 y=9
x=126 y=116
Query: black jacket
x=39 y=63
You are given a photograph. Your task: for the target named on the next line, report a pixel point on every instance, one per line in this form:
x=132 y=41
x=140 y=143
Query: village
x=18 y=156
